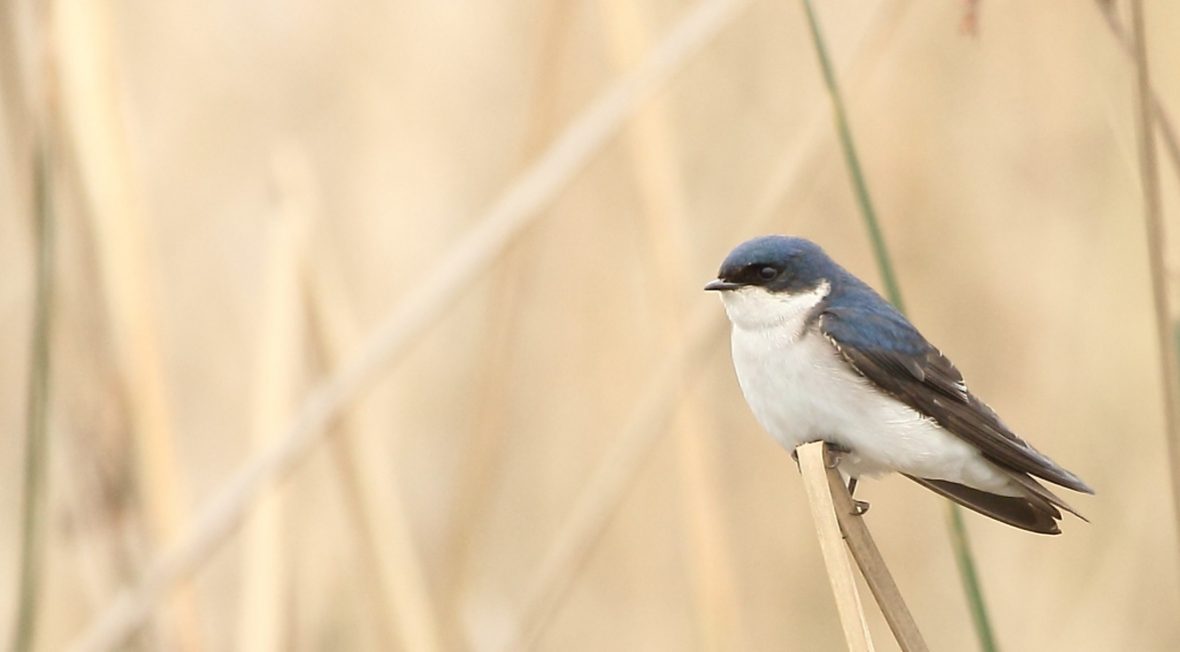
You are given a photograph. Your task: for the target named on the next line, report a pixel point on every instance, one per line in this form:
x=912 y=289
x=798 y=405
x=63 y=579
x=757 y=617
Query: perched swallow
x=820 y=356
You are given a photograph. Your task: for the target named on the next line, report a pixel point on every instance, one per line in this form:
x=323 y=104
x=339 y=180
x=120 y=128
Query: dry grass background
x=357 y=142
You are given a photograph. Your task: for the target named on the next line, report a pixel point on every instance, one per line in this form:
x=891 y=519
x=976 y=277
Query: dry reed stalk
x=264 y=585
x=1156 y=244
x=493 y=231
x=482 y=455
x=652 y=149
x=35 y=492
x=97 y=138
x=14 y=100
x=813 y=465
x=404 y=613
x=29 y=98
x=1163 y=120
x=29 y=150
x=873 y=568
x=96 y=541
x=620 y=466
x=595 y=504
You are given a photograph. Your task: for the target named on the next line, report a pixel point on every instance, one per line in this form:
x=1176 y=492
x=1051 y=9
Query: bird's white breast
x=800 y=389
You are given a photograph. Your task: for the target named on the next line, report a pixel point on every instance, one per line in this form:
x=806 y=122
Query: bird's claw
x=833 y=454
x=860 y=507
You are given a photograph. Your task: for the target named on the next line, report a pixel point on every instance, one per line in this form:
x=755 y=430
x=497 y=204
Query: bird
x=821 y=356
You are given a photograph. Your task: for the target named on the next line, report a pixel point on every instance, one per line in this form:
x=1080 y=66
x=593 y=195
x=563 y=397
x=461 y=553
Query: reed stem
x=813 y=460
x=32 y=543
x=1156 y=246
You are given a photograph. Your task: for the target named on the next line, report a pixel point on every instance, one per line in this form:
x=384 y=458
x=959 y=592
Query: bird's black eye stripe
x=757 y=273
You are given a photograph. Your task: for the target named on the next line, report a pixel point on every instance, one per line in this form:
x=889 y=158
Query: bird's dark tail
x=1036 y=511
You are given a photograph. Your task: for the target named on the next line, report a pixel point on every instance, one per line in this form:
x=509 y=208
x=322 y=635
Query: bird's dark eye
x=767 y=273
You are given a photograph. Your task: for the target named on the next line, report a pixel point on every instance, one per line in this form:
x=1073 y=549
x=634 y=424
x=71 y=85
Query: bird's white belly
x=801 y=390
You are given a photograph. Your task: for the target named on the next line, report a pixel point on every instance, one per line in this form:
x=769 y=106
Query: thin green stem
x=36 y=439
x=966 y=563
x=859 y=185
x=958 y=532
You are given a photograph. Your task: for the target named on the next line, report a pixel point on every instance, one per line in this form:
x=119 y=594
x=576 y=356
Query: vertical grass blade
x=90 y=86
x=958 y=532
x=859 y=186
x=965 y=560
x=483 y=459
x=1156 y=244
x=665 y=224
x=1162 y=119
x=32 y=543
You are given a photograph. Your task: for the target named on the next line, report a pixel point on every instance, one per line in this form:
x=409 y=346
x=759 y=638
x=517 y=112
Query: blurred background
x=545 y=444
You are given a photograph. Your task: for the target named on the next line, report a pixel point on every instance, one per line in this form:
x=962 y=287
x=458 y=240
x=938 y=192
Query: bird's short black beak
x=719 y=285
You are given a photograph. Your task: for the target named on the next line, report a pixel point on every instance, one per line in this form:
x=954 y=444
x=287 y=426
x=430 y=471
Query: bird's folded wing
x=1023 y=513
x=889 y=352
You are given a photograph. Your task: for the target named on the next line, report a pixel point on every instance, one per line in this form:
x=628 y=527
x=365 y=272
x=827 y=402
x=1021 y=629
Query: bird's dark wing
x=1024 y=513
x=888 y=351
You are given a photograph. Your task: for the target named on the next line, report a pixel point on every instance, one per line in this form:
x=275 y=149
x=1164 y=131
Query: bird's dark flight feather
x=887 y=350
x=1025 y=513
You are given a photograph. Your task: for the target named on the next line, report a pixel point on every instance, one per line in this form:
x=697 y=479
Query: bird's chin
x=756 y=308
x=749 y=307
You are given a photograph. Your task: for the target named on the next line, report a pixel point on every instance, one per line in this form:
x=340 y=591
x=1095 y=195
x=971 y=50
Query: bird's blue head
x=777 y=281
x=776 y=263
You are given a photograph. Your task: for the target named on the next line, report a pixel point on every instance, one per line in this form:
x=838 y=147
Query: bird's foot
x=859 y=507
x=834 y=453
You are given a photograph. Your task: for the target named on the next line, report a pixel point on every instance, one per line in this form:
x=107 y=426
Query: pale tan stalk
x=1157 y=244
x=1163 y=119
x=277 y=368
x=651 y=144
x=481 y=454
x=598 y=501
x=873 y=568
x=813 y=462
x=93 y=121
x=390 y=564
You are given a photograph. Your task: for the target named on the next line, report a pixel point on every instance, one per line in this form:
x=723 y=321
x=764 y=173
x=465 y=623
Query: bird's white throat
x=754 y=308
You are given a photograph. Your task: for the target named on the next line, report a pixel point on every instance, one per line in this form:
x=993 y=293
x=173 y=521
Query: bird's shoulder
x=880 y=343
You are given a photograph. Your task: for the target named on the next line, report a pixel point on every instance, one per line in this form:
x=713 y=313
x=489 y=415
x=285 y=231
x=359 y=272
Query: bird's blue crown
x=781 y=264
